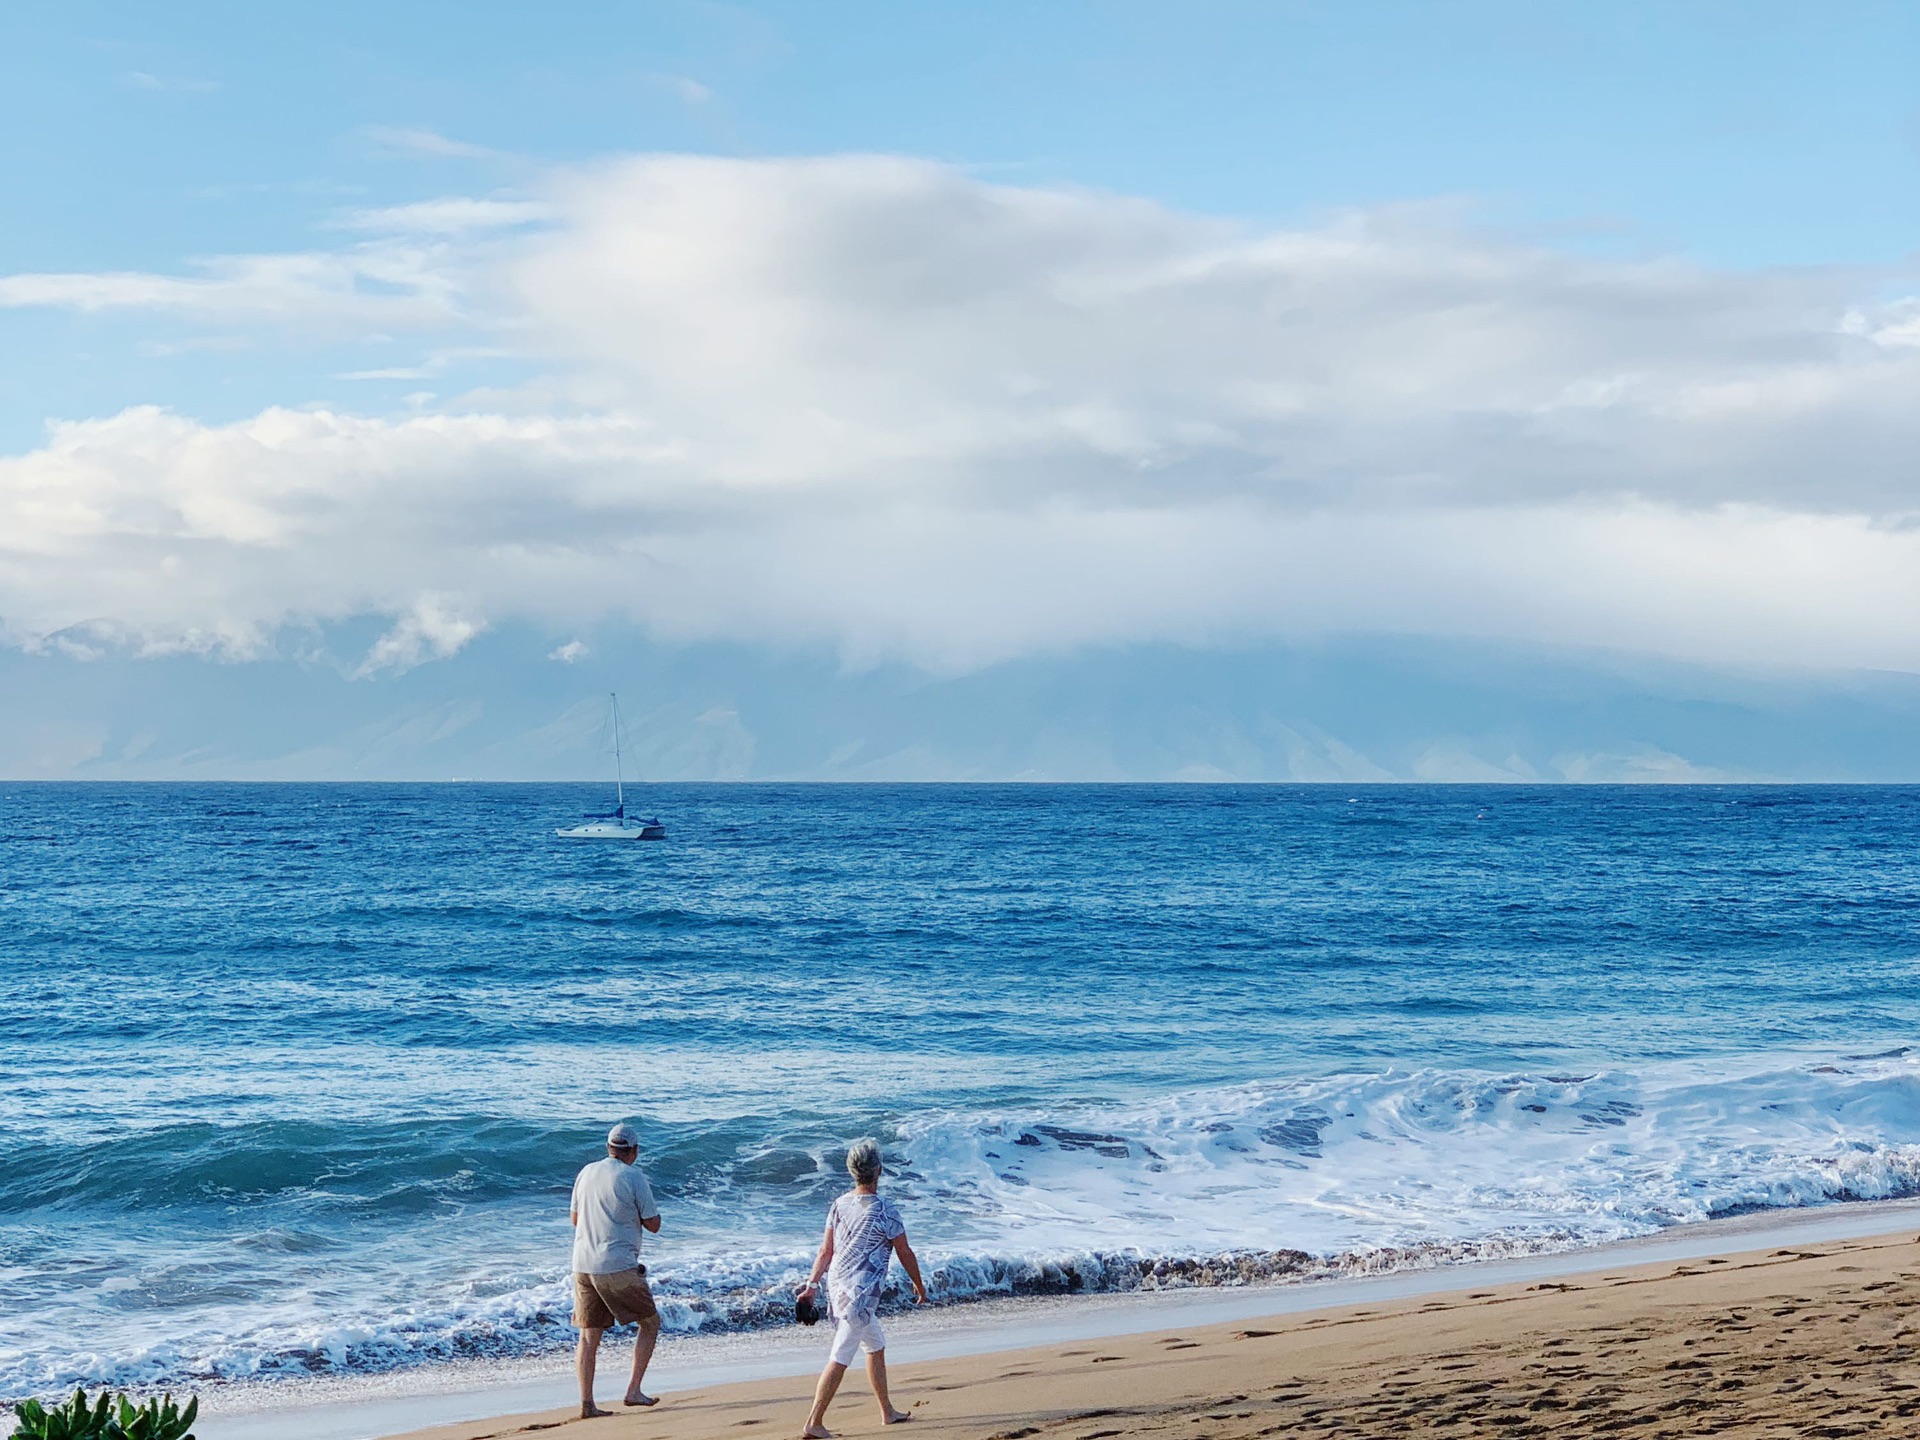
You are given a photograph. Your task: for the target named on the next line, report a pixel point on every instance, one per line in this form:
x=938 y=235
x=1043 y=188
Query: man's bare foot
x=590 y=1411
x=816 y=1432
x=895 y=1417
x=641 y=1398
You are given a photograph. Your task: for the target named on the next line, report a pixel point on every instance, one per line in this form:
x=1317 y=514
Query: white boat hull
x=611 y=830
x=616 y=824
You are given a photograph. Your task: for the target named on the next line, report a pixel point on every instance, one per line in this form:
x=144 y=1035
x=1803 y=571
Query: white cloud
x=399 y=285
x=450 y=215
x=195 y=345
x=1891 y=325
x=569 y=653
x=683 y=88
x=414 y=140
x=881 y=404
x=435 y=627
x=391 y=372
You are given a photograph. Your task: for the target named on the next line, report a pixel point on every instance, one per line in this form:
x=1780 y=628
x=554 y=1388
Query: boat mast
x=619 y=780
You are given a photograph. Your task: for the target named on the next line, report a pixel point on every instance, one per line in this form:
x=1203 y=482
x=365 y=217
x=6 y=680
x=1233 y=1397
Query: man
x=612 y=1204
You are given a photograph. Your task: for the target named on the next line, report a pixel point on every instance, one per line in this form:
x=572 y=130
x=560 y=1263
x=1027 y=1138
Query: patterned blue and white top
x=864 y=1228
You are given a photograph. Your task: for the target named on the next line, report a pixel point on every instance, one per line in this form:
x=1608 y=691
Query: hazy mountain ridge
x=1352 y=710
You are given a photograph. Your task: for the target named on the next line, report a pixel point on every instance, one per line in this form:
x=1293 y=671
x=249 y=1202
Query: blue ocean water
x=295 y=1078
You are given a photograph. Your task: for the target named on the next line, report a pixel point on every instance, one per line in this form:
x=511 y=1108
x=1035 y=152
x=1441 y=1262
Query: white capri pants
x=852 y=1335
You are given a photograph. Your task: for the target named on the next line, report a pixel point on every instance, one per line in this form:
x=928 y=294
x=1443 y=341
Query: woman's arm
x=911 y=1263
x=820 y=1263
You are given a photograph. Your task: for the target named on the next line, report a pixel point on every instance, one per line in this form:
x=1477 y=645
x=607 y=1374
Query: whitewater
x=295 y=1078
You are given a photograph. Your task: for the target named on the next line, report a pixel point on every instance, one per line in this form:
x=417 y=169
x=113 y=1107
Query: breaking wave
x=1283 y=1183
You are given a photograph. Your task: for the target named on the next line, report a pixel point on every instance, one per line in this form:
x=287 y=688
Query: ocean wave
x=1349 y=1162
x=717 y=1298
x=1281 y=1183
x=341 y=1165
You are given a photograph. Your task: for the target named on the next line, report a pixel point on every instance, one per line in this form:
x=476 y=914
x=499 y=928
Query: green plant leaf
x=110 y=1416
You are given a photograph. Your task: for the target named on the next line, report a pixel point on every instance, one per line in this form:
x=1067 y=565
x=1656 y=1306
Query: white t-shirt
x=610 y=1199
x=864 y=1228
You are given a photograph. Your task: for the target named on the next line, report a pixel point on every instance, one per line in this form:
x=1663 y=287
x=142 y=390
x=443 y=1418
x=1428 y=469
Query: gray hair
x=863 y=1161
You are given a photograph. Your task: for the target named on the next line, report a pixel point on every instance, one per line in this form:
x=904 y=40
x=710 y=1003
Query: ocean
x=294 y=1078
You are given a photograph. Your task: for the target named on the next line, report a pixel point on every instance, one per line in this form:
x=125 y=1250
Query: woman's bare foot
x=895 y=1417
x=593 y=1412
x=816 y=1432
x=639 y=1398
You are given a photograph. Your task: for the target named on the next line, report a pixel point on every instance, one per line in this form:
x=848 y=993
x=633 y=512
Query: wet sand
x=1818 y=1339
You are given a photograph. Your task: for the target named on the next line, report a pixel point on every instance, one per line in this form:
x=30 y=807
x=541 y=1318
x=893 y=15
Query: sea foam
x=1280 y=1183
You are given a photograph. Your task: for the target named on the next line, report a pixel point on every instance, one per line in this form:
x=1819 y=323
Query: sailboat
x=618 y=825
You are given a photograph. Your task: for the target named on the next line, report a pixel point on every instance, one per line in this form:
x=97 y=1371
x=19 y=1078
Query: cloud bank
x=879 y=404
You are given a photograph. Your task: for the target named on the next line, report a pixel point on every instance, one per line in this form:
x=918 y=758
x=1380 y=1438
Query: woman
x=864 y=1233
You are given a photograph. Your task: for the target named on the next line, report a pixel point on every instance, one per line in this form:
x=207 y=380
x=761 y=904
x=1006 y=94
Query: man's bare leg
x=642 y=1352
x=877 y=1374
x=822 y=1397
x=584 y=1355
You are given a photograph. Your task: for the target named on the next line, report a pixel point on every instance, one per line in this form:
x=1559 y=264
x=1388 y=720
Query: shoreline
x=483 y=1391
x=1817 y=1338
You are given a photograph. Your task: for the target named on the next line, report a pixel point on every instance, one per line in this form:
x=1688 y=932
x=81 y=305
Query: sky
x=1105 y=391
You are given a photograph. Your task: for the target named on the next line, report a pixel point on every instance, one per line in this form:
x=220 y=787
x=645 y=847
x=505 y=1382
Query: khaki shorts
x=622 y=1298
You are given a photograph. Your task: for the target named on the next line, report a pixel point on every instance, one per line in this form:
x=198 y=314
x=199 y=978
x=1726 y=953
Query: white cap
x=623 y=1136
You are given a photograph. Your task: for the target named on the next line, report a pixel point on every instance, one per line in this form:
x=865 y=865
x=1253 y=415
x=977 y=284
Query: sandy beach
x=1816 y=1339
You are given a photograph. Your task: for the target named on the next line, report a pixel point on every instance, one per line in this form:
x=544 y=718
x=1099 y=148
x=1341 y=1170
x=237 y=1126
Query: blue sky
x=1578 y=326
x=139 y=137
